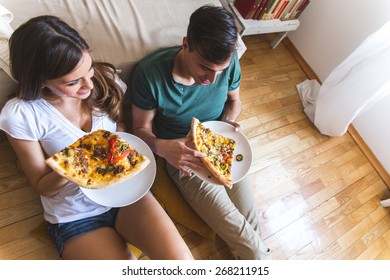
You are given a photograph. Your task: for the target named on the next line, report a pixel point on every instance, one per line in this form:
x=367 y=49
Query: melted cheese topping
x=219 y=149
x=93 y=158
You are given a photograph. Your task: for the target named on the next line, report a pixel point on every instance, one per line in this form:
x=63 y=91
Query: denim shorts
x=63 y=232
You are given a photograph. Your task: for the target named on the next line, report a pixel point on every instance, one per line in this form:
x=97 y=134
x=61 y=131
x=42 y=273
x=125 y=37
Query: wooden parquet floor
x=318 y=197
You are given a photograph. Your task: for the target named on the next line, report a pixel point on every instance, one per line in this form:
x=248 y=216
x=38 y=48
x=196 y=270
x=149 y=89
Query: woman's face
x=77 y=83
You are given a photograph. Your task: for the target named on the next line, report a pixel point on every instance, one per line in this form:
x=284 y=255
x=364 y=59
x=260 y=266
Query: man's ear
x=185 y=43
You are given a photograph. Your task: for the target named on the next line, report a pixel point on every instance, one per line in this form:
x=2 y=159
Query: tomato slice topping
x=121 y=156
x=111 y=147
x=113 y=156
x=229 y=159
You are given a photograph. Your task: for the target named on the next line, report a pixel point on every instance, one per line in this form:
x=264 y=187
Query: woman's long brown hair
x=46 y=48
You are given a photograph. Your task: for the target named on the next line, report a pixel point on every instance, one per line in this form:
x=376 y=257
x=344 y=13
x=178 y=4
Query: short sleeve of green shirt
x=235 y=73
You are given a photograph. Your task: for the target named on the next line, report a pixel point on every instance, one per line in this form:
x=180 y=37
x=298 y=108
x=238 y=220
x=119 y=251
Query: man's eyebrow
x=204 y=66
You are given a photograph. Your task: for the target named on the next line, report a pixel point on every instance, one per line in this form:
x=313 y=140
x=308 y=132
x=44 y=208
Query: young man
x=199 y=79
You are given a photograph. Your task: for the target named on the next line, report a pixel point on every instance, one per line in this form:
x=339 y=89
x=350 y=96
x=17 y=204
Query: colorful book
x=292 y=10
x=246 y=8
x=287 y=9
x=301 y=8
x=263 y=8
x=254 y=9
x=268 y=10
x=259 y=9
x=276 y=8
x=279 y=12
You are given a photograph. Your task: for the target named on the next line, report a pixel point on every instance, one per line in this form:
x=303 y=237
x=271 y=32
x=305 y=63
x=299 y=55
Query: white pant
x=229 y=212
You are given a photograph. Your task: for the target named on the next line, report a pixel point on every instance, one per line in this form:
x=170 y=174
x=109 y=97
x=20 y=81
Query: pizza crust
x=220 y=178
x=60 y=171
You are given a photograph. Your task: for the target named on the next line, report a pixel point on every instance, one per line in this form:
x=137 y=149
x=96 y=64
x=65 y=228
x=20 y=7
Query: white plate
x=129 y=191
x=239 y=168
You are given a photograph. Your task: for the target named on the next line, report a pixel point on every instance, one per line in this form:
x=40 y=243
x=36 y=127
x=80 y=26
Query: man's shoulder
x=160 y=55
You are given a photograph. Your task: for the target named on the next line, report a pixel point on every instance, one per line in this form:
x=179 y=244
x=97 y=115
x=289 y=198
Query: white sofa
x=120 y=32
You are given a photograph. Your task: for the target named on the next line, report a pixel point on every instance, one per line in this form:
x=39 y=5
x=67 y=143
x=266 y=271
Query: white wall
x=329 y=31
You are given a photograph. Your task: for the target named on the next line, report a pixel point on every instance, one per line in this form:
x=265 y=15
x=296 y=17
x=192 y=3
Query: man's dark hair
x=212 y=33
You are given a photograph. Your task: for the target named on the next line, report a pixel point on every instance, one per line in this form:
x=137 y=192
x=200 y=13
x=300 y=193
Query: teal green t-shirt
x=153 y=87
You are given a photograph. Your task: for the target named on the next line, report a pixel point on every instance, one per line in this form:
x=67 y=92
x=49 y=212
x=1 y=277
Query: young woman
x=62 y=95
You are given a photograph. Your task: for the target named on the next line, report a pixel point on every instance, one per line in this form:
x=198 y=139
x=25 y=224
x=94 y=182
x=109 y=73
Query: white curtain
x=356 y=84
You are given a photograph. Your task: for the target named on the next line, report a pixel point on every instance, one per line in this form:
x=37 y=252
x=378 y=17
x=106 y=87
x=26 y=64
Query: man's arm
x=233 y=108
x=176 y=151
x=120 y=123
x=142 y=124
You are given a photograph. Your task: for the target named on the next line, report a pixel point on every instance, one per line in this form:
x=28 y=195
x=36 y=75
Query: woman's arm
x=39 y=174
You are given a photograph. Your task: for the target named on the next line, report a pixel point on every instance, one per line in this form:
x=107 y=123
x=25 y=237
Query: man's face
x=202 y=71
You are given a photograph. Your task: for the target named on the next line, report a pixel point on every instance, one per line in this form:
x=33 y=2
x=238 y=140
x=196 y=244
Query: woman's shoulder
x=16 y=119
x=17 y=112
x=19 y=106
x=15 y=101
x=13 y=104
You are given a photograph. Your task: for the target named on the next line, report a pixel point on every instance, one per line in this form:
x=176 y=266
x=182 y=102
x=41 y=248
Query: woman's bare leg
x=146 y=225
x=103 y=243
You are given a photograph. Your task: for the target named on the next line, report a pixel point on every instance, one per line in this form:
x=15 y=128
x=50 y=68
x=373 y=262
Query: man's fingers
x=186 y=170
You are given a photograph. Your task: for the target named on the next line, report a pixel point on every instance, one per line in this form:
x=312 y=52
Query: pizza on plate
x=98 y=160
x=219 y=151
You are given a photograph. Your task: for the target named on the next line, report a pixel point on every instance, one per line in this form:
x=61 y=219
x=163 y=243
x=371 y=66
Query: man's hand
x=180 y=154
x=237 y=126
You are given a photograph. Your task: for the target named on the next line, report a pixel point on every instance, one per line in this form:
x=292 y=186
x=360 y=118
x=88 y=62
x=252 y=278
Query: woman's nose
x=87 y=82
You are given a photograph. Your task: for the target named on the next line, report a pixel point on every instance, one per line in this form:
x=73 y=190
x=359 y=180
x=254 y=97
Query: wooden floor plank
x=13 y=182
x=19 y=229
x=17 y=196
x=20 y=212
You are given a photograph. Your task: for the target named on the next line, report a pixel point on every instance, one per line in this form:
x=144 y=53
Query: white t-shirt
x=39 y=121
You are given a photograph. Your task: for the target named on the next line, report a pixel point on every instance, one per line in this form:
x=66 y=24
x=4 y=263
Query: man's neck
x=180 y=73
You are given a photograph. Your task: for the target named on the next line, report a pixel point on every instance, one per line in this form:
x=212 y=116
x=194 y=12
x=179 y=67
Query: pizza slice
x=219 y=151
x=98 y=160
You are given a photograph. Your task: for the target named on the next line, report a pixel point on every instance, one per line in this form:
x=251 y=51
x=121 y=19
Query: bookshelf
x=252 y=27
